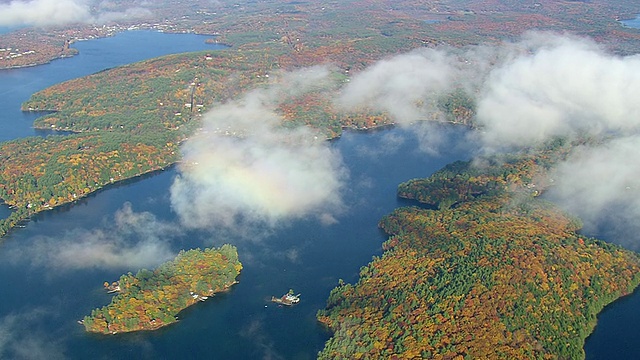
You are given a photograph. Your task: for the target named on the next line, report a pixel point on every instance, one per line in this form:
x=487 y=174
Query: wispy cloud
x=601 y=184
x=21 y=337
x=128 y=241
x=61 y=12
x=259 y=335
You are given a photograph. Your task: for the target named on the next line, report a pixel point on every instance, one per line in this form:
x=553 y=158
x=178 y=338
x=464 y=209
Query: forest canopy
x=495 y=272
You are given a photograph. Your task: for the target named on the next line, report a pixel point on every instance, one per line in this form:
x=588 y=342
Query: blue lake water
x=40 y=304
x=633 y=23
x=17 y=85
x=242 y=324
x=4 y=211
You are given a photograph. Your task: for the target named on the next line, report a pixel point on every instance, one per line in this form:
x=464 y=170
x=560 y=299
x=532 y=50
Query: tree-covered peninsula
x=495 y=272
x=149 y=300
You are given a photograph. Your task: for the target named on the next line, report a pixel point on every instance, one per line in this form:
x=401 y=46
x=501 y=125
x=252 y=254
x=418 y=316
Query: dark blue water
x=17 y=85
x=633 y=23
x=40 y=304
x=616 y=335
x=305 y=255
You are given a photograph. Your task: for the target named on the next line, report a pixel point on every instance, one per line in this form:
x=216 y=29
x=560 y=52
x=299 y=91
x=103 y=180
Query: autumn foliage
x=152 y=299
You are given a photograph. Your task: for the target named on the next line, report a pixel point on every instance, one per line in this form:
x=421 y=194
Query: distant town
x=31 y=47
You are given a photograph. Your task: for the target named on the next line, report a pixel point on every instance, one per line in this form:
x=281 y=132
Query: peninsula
x=495 y=272
x=149 y=300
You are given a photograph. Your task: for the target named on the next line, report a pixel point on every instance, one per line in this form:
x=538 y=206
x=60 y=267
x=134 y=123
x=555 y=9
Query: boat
x=287 y=299
x=113 y=288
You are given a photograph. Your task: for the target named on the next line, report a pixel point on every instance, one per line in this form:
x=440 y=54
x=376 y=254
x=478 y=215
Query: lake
x=632 y=23
x=41 y=301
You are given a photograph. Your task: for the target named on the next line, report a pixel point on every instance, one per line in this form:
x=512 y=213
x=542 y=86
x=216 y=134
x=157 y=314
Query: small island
x=150 y=300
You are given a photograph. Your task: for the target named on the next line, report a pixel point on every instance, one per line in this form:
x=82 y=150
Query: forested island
x=489 y=270
x=149 y=300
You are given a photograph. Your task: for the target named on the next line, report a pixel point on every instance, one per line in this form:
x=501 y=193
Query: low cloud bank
x=62 y=12
x=570 y=87
x=244 y=171
x=559 y=86
x=526 y=92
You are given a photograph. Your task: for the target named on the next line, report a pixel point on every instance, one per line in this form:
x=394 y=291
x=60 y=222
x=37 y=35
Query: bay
x=17 y=85
x=41 y=301
x=304 y=255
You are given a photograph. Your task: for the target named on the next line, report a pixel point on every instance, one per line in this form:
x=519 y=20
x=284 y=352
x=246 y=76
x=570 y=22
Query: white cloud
x=61 y=12
x=528 y=91
x=245 y=172
x=559 y=86
x=404 y=86
x=43 y=12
